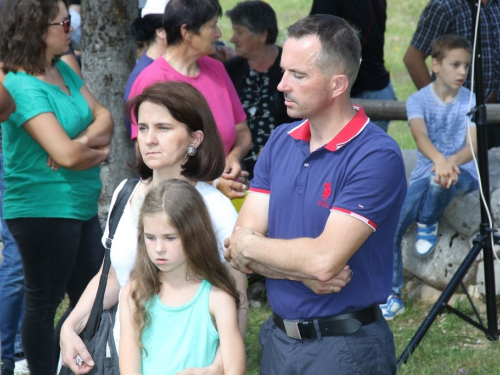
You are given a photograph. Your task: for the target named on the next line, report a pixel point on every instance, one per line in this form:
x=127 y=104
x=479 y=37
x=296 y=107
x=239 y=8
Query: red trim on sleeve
x=357 y=216
x=260 y=191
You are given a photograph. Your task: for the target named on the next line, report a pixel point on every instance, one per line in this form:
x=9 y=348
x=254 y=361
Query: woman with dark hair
x=256 y=72
x=53 y=144
x=148 y=29
x=192 y=32
x=177 y=138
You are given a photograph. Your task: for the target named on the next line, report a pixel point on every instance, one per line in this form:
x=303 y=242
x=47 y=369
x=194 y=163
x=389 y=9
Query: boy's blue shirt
x=446 y=126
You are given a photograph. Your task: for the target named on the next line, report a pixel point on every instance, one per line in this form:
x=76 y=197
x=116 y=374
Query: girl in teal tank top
x=181 y=302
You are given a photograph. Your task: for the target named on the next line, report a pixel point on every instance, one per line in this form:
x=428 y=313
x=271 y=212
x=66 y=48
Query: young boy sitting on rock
x=437 y=115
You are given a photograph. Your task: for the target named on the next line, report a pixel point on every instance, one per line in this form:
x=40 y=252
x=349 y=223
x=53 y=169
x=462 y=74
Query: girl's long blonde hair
x=187 y=213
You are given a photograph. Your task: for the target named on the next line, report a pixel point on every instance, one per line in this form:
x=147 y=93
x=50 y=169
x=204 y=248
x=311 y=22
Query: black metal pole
x=482 y=147
x=440 y=303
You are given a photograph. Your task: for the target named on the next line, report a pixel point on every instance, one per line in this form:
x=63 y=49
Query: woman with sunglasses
x=192 y=33
x=53 y=145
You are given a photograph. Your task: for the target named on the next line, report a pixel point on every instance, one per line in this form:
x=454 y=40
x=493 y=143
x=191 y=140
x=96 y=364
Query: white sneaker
x=21 y=368
x=392 y=308
x=426 y=239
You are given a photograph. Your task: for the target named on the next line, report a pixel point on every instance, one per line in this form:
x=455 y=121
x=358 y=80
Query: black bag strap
x=114 y=218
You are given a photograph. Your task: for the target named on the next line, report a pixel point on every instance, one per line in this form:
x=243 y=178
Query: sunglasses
x=66 y=24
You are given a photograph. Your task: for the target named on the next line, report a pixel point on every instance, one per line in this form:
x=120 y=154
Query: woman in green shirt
x=53 y=144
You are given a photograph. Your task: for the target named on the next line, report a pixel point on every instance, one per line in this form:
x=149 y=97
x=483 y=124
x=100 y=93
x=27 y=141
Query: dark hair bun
x=143 y=30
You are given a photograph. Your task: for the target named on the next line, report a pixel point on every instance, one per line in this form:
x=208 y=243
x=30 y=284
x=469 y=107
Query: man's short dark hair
x=445 y=43
x=193 y=13
x=340 y=46
x=257 y=16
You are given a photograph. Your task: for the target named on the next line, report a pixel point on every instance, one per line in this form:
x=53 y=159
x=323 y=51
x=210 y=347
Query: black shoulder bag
x=98 y=333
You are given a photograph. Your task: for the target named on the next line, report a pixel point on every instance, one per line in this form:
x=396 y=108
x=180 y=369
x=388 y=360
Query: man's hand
x=333 y=285
x=446 y=173
x=235 y=245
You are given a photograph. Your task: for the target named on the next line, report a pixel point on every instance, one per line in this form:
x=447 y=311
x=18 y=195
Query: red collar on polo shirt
x=350 y=131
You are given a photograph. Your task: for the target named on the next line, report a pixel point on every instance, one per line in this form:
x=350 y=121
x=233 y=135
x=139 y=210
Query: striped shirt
x=442 y=17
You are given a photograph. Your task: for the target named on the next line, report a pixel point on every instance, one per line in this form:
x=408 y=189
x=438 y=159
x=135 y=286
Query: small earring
x=191 y=151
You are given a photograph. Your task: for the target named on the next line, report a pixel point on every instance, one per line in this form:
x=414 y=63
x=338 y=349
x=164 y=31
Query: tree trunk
x=109 y=55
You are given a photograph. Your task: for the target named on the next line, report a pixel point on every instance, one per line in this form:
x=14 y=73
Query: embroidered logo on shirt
x=327 y=191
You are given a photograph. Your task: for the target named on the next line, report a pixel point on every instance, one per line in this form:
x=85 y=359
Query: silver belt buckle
x=292 y=328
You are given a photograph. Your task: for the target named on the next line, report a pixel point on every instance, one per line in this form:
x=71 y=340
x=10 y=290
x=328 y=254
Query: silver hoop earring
x=191 y=151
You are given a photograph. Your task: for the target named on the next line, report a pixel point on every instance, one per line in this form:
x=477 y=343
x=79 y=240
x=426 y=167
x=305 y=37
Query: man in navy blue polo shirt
x=327 y=192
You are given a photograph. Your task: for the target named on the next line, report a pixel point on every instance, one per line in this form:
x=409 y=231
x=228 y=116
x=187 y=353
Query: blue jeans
x=386 y=93
x=425 y=202
x=11 y=291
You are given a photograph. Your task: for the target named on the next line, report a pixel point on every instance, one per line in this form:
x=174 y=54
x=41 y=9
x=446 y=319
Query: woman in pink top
x=192 y=31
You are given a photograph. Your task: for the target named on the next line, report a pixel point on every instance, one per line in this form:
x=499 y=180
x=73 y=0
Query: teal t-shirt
x=32 y=188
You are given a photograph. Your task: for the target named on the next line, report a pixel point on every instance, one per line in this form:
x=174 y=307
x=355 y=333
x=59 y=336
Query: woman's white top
x=124 y=246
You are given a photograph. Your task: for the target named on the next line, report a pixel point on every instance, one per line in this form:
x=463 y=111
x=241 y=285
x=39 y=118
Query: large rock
x=493 y=163
x=495 y=207
x=410 y=160
x=464 y=213
x=438 y=268
x=480 y=278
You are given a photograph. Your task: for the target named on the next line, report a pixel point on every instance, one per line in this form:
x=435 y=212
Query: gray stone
x=480 y=278
x=473 y=291
x=464 y=214
x=437 y=268
x=413 y=287
x=495 y=207
x=410 y=160
x=429 y=294
x=493 y=163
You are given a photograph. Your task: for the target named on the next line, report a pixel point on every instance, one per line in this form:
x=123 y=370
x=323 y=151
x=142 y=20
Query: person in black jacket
x=256 y=72
x=368 y=16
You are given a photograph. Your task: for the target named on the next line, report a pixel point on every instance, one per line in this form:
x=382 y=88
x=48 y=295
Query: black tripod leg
x=489 y=284
x=441 y=302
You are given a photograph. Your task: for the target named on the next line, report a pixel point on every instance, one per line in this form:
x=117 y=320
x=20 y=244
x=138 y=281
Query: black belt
x=342 y=324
